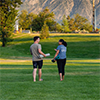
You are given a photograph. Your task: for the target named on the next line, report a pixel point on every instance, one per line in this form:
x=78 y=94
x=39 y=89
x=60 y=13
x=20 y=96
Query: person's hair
x=35 y=38
x=63 y=42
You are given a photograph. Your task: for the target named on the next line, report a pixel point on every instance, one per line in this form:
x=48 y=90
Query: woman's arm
x=56 y=54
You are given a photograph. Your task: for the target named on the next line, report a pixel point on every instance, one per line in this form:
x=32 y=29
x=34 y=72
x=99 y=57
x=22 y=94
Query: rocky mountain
x=64 y=7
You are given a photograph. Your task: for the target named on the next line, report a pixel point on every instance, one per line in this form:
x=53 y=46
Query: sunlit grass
x=79 y=45
x=89 y=62
x=28 y=38
x=81 y=77
x=27 y=64
x=9 y=61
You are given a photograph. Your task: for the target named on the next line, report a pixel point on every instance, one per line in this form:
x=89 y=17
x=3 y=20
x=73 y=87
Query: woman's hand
x=55 y=49
x=57 y=52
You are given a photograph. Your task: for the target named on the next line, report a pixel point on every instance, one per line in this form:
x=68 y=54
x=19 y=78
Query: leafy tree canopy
x=79 y=23
x=44 y=16
x=25 y=19
x=65 y=25
x=8 y=12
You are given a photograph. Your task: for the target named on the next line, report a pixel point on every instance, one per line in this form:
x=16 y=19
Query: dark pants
x=61 y=65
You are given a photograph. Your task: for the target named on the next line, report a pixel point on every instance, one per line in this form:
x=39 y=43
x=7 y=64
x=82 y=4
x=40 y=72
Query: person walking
x=35 y=50
x=61 y=52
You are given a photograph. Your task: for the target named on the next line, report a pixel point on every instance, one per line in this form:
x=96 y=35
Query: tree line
x=68 y=24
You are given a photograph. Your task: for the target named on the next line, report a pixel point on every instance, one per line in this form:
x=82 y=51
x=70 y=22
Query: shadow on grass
x=60 y=36
x=88 y=49
x=24 y=39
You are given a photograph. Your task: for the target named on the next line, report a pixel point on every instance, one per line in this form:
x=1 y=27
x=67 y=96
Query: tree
x=44 y=31
x=23 y=22
x=37 y=24
x=65 y=25
x=71 y=23
x=44 y=16
x=8 y=13
x=79 y=23
x=88 y=27
x=30 y=17
x=82 y=23
x=50 y=23
x=59 y=28
x=25 y=19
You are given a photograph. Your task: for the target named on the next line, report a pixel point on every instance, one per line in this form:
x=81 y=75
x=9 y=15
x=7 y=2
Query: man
x=35 y=50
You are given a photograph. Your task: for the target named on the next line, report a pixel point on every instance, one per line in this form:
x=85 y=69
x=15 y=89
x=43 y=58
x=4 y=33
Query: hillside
x=61 y=7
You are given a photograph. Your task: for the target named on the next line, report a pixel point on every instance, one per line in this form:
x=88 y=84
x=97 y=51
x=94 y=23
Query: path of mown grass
x=81 y=81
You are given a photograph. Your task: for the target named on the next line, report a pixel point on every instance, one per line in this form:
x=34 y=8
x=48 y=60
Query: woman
x=61 y=52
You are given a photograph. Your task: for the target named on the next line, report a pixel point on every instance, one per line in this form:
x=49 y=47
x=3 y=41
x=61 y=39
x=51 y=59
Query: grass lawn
x=79 y=45
x=82 y=71
x=81 y=81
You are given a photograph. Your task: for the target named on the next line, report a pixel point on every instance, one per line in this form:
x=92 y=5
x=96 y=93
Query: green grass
x=82 y=71
x=79 y=46
x=81 y=81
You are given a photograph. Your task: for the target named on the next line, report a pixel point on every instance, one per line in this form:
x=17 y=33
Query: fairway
x=82 y=70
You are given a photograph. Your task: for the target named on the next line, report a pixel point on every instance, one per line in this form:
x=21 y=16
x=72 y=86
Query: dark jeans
x=61 y=65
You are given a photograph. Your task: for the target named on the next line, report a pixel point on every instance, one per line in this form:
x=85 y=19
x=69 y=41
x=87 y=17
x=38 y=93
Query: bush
x=44 y=32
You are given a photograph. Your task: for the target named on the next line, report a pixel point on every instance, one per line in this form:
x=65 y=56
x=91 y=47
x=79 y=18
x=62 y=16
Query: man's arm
x=39 y=50
x=31 y=51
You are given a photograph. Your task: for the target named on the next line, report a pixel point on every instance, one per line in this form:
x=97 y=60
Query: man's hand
x=39 y=50
x=44 y=55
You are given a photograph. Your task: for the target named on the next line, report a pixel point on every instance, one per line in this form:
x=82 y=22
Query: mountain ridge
x=64 y=7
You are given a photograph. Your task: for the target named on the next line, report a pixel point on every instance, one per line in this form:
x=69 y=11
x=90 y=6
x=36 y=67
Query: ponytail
x=63 y=42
